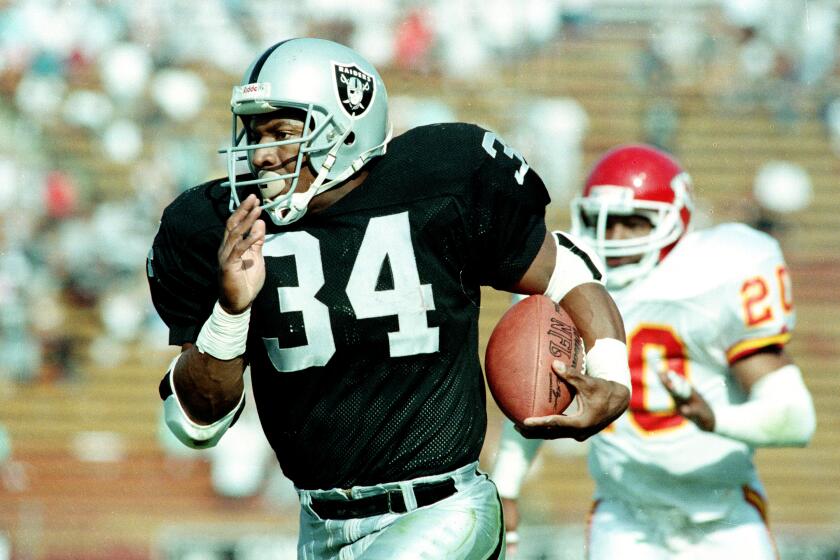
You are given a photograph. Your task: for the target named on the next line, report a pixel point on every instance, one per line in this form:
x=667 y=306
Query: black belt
x=388 y=502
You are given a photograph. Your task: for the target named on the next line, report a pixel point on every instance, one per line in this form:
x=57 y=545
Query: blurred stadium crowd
x=132 y=83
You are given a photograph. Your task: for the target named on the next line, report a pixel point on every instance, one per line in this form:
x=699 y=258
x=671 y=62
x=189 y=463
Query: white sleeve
x=188 y=432
x=513 y=460
x=576 y=264
x=779 y=412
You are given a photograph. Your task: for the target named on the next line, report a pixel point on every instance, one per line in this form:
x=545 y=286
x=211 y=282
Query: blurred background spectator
x=780 y=189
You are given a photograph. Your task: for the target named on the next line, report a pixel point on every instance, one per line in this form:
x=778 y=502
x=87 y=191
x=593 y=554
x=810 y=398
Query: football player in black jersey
x=348 y=279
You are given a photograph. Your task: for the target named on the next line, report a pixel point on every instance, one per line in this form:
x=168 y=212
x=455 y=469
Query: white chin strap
x=299 y=202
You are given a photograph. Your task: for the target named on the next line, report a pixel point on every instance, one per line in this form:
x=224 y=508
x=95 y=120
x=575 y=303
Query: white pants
x=620 y=530
x=465 y=526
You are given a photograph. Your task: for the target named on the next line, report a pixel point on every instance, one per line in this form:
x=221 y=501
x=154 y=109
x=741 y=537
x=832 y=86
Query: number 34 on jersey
x=387 y=239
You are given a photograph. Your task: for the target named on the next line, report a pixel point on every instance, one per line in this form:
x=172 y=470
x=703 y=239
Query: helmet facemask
x=345 y=122
x=321 y=136
x=634 y=180
x=590 y=215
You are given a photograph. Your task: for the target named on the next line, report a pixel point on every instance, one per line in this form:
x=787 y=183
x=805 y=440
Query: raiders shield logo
x=355 y=89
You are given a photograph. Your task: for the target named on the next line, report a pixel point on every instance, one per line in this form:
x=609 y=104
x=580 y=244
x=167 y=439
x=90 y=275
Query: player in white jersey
x=707 y=315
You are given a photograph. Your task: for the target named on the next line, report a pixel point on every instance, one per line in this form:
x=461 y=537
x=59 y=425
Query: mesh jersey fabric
x=363 y=343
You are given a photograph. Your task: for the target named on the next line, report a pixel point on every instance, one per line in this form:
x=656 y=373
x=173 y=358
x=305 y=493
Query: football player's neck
x=329 y=197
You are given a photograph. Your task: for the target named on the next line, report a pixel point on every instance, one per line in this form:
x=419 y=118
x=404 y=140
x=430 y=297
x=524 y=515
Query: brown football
x=529 y=337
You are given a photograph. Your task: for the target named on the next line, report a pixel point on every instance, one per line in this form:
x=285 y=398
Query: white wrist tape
x=607 y=359
x=512 y=537
x=575 y=265
x=188 y=432
x=224 y=336
x=513 y=461
x=779 y=412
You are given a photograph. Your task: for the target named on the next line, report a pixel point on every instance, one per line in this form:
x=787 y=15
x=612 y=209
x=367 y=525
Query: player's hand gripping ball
x=529 y=337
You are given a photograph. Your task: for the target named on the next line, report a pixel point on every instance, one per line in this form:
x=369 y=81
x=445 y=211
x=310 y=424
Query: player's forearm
x=208 y=377
x=779 y=412
x=197 y=408
x=594 y=313
x=206 y=387
x=602 y=328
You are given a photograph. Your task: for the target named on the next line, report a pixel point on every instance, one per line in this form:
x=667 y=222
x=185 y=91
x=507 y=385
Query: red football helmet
x=634 y=180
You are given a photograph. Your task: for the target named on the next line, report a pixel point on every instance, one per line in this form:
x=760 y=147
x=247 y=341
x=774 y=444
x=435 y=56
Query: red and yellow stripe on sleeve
x=753 y=345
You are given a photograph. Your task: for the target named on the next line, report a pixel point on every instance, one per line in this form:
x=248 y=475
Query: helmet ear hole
x=351 y=139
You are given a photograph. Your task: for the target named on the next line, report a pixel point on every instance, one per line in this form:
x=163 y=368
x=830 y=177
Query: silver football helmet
x=346 y=120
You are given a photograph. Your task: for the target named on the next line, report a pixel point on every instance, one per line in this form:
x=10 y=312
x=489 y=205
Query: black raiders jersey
x=363 y=343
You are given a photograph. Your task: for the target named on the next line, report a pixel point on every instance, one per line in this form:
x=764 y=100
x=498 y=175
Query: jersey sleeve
x=758 y=300
x=182 y=272
x=509 y=215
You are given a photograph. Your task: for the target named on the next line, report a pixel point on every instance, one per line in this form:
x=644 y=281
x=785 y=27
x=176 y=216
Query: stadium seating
x=89 y=478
